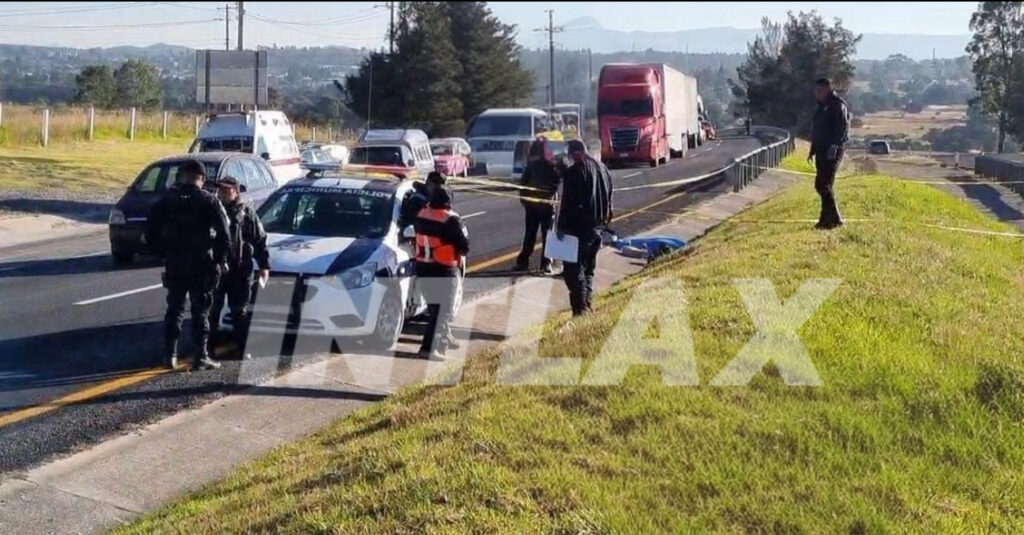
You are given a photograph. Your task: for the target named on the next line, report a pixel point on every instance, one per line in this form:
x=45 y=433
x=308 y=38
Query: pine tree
x=491 y=74
x=429 y=68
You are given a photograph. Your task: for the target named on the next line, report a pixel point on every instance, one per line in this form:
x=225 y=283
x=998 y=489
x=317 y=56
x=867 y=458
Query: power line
x=80 y=9
x=350 y=18
x=314 y=34
x=27 y=28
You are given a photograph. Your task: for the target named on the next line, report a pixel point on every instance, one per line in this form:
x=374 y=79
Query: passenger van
x=400 y=152
x=493 y=136
x=267 y=134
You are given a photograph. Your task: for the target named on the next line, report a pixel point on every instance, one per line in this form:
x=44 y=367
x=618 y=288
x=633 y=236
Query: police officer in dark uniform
x=248 y=244
x=542 y=176
x=585 y=210
x=442 y=244
x=828 y=140
x=190 y=228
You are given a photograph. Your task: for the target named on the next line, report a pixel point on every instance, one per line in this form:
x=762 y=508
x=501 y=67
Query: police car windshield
x=328 y=212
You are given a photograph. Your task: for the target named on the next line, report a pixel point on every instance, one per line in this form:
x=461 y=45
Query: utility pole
x=551 y=29
x=391 y=30
x=227 y=26
x=241 y=17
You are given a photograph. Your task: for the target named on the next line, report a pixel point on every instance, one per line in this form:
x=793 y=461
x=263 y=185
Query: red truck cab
x=630 y=118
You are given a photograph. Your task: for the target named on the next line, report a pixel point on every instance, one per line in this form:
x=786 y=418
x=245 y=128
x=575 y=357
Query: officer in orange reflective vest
x=442 y=244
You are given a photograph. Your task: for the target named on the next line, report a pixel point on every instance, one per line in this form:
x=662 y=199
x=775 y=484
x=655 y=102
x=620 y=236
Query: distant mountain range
x=586 y=32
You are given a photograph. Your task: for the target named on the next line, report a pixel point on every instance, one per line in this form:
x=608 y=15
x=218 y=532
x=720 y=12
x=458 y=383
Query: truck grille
x=625 y=139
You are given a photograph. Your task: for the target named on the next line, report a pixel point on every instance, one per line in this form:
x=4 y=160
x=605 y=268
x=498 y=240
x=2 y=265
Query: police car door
x=415 y=303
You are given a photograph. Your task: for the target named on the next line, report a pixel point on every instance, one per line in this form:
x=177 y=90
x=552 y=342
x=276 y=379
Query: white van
x=493 y=136
x=401 y=152
x=265 y=133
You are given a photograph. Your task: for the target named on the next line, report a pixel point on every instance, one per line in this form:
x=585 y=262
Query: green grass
x=98 y=166
x=917 y=429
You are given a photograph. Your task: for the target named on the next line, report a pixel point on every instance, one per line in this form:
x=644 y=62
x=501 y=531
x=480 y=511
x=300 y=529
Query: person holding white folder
x=586 y=208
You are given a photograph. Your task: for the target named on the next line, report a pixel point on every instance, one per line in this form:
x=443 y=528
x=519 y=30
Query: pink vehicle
x=451 y=156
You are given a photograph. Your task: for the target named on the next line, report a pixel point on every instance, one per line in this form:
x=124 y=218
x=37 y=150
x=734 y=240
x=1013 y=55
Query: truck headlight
x=356 y=277
x=116 y=217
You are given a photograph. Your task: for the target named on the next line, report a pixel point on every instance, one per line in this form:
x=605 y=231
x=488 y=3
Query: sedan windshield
x=328 y=212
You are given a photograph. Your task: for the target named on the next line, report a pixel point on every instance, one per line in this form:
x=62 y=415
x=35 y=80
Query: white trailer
x=682 y=124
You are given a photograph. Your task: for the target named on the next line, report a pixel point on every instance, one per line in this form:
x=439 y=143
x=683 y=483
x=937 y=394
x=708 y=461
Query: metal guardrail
x=746 y=168
x=1001 y=167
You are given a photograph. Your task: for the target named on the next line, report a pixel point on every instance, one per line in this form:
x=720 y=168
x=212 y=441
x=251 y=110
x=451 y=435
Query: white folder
x=566 y=249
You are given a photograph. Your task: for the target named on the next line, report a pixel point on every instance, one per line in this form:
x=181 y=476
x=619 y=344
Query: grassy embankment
x=918 y=427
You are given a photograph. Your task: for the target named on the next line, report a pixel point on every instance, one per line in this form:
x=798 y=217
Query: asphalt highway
x=80 y=339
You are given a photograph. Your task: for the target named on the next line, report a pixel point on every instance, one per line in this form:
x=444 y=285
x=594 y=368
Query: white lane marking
x=631 y=175
x=121 y=294
x=9 y=268
x=474 y=214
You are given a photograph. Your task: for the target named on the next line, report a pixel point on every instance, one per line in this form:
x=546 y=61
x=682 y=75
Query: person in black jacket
x=248 y=244
x=830 y=134
x=442 y=244
x=542 y=176
x=586 y=208
x=190 y=228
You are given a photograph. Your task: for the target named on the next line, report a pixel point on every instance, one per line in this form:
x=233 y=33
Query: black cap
x=227 y=182
x=824 y=82
x=190 y=170
x=441 y=198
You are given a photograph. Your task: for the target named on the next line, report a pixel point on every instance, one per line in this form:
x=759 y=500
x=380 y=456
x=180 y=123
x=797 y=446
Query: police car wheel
x=390 y=318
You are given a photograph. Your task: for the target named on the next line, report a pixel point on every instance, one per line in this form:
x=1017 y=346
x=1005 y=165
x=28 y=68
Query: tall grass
x=23 y=125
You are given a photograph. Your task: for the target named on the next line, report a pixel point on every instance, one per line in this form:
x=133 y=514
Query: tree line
x=451 y=61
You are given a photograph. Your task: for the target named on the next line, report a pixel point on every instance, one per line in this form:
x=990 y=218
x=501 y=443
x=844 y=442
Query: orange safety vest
x=431 y=248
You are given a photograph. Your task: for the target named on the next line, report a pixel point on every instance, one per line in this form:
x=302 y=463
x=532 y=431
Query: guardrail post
x=131 y=125
x=197 y=126
x=164 y=133
x=92 y=121
x=314 y=133
x=330 y=134
x=1 y=114
x=46 y=127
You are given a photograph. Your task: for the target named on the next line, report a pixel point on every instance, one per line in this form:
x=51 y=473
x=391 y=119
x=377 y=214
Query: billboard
x=231 y=77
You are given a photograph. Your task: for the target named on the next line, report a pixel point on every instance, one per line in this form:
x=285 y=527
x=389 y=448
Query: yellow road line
x=100 y=389
x=94 y=391
x=511 y=255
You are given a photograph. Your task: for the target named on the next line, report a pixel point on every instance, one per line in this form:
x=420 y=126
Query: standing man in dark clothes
x=423 y=192
x=190 y=228
x=248 y=244
x=586 y=208
x=442 y=244
x=828 y=140
x=541 y=176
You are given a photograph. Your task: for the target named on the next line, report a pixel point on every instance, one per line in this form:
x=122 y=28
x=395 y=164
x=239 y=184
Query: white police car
x=341 y=264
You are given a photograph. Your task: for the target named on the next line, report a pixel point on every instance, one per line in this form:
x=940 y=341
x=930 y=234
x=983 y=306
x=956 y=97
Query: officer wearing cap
x=189 y=228
x=248 y=245
x=442 y=244
x=830 y=134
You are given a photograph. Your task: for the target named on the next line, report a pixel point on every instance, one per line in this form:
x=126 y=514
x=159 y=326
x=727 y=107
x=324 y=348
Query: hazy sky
x=201 y=24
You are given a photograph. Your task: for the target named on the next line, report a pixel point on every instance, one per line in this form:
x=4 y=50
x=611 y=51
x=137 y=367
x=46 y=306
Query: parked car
x=451 y=156
x=338 y=153
x=128 y=218
x=878 y=146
